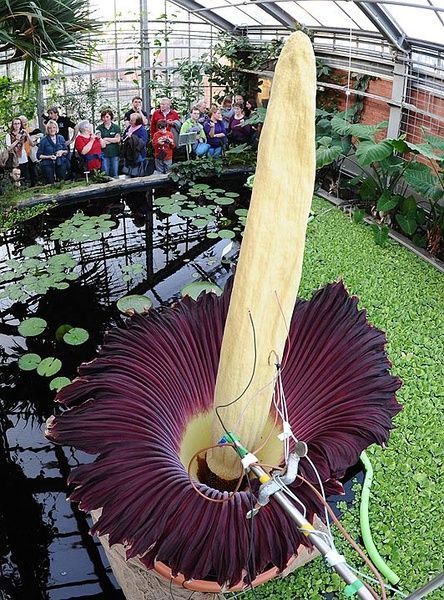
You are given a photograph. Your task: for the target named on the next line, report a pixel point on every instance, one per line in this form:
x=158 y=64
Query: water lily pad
x=241 y=212
x=71 y=276
x=31 y=327
x=49 y=366
x=218 y=191
x=200 y=222
x=179 y=197
x=201 y=186
x=186 y=212
x=197 y=287
x=213 y=235
x=12 y=263
x=60 y=285
x=224 y=200
x=64 y=259
x=31 y=251
x=29 y=362
x=61 y=330
x=76 y=336
x=163 y=201
x=58 y=383
x=202 y=210
x=134 y=303
x=8 y=275
x=226 y=234
x=232 y=194
x=170 y=209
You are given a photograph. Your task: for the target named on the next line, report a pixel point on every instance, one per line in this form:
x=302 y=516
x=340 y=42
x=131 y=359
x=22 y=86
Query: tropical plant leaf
x=407 y=223
x=340 y=126
x=387 y=201
x=422 y=180
x=380 y=234
x=32 y=326
x=325 y=156
x=370 y=152
x=366 y=132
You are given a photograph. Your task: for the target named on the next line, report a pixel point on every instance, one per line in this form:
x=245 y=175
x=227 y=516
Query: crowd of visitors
x=66 y=148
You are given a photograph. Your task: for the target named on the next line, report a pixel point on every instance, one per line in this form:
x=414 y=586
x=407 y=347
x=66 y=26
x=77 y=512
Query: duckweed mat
x=403 y=296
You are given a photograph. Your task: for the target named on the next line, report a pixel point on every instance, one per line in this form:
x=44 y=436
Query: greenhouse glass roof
x=400 y=21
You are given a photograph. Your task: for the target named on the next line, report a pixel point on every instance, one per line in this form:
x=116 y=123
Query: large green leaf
x=370 y=152
x=422 y=180
x=435 y=141
x=369 y=190
x=424 y=149
x=340 y=126
x=387 y=201
x=366 y=132
x=326 y=156
x=407 y=223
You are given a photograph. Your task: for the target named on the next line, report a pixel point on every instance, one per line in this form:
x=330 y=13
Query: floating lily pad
x=200 y=222
x=213 y=235
x=76 y=336
x=170 y=209
x=32 y=251
x=163 y=201
x=179 y=197
x=201 y=186
x=186 y=212
x=197 y=287
x=226 y=234
x=232 y=194
x=218 y=191
x=49 y=366
x=202 y=210
x=134 y=303
x=224 y=200
x=71 y=276
x=61 y=330
x=58 y=383
x=29 y=362
x=31 y=327
x=241 y=212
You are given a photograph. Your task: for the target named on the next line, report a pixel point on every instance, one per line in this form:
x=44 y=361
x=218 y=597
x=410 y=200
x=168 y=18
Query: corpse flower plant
x=167 y=387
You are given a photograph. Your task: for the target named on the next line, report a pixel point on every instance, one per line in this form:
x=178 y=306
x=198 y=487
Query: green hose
x=376 y=558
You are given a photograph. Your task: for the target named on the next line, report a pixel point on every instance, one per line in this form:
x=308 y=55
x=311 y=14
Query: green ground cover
x=404 y=296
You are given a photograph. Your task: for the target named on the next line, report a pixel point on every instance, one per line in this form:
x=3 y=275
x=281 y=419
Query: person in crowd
x=110 y=135
x=31 y=148
x=227 y=110
x=250 y=107
x=163 y=144
x=238 y=99
x=168 y=114
x=200 y=146
x=215 y=131
x=15 y=143
x=53 y=153
x=136 y=107
x=135 y=139
x=238 y=132
x=136 y=128
x=64 y=124
x=203 y=110
x=89 y=145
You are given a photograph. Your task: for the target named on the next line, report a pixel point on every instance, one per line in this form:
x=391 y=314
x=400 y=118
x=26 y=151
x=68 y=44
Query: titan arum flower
x=147 y=404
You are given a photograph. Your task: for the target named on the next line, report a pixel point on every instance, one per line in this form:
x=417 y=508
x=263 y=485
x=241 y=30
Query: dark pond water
x=45 y=548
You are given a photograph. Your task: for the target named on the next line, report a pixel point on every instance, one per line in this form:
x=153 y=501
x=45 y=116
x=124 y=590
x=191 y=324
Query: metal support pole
x=399 y=86
x=145 y=55
x=318 y=542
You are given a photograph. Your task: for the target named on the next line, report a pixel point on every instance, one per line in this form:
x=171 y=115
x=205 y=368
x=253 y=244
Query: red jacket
x=164 y=150
x=158 y=116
